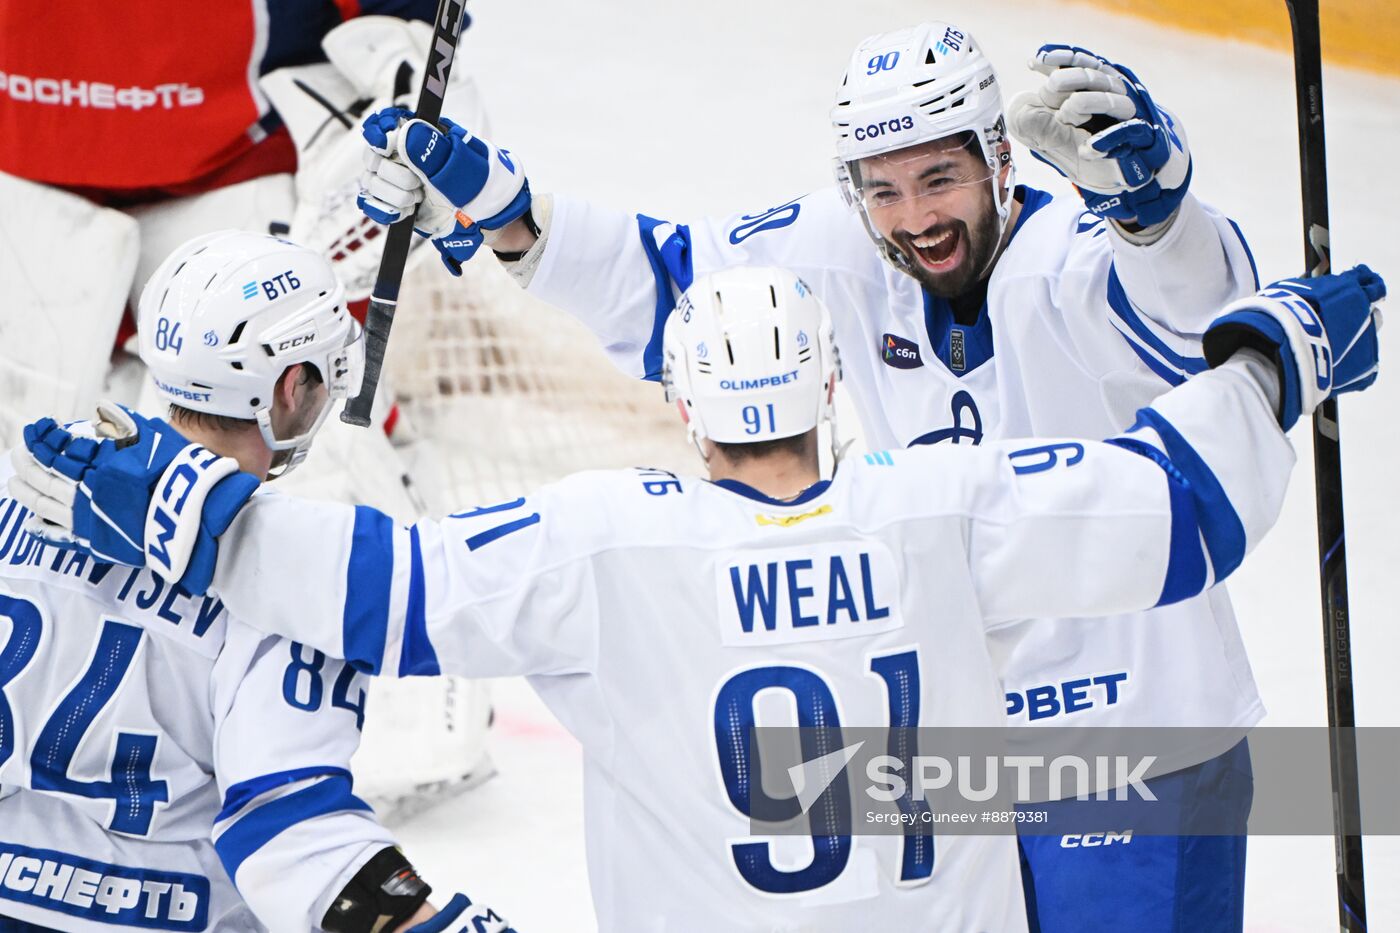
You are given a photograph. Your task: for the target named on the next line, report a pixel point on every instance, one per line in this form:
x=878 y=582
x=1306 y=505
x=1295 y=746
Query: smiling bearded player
x=972 y=309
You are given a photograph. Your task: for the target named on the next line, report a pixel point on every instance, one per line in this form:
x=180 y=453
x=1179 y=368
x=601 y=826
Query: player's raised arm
x=1171 y=506
x=483 y=592
x=1171 y=261
x=619 y=273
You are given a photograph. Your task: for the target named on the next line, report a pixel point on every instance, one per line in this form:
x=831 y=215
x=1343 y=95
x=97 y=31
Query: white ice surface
x=679 y=109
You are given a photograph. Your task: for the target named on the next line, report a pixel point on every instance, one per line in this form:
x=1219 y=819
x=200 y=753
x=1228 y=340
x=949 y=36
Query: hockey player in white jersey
x=968 y=308
x=653 y=612
x=127 y=210
x=155 y=752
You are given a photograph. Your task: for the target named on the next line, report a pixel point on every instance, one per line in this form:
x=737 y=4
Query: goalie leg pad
x=62 y=306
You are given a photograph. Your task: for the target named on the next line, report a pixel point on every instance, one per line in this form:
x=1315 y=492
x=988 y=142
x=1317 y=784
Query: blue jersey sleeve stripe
x=417 y=656
x=368 y=582
x=1249 y=254
x=1120 y=305
x=243 y=793
x=1186 y=564
x=500 y=531
x=263 y=824
x=670 y=263
x=1219 y=523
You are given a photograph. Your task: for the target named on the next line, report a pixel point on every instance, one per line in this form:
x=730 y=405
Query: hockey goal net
x=513 y=393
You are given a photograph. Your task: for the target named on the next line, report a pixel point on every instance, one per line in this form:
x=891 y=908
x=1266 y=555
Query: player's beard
x=977 y=244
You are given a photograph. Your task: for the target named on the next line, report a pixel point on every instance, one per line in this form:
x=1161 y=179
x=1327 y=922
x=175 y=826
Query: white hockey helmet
x=227 y=313
x=749 y=357
x=910 y=87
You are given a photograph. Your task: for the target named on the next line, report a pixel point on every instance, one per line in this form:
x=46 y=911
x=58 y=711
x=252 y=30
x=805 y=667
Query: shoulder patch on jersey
x=900 y=352
x=880 y=458
x=774 y=218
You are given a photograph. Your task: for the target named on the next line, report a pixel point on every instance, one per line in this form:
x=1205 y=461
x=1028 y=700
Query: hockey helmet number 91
x=749 y=357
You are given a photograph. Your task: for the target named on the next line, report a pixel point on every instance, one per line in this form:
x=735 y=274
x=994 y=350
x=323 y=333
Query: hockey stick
x=386 y=286
x=1327 y=469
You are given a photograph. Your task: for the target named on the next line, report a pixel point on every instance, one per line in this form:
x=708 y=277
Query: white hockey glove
x=1320 y=332
x=466 y=185
x=374 y=62
x=1094 y=123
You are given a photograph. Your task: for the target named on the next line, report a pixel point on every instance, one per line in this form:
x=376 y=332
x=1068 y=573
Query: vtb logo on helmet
x=749 y=357
x=203 y=287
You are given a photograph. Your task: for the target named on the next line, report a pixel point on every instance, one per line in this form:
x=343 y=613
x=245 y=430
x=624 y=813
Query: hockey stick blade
x=447 y=29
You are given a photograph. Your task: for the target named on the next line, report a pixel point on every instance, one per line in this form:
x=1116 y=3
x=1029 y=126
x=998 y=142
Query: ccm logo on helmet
x=740 y=385
x=897 y=125
x=293 y=342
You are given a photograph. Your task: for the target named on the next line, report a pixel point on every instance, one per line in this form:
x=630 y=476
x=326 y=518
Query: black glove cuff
x=382 y=895
x=1222 y=340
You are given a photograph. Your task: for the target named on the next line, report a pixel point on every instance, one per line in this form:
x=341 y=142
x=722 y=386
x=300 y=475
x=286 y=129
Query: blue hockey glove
x=464 y=183
x=1321 y=332
x=462 y=916
x=134 y=491
x=1094 y=122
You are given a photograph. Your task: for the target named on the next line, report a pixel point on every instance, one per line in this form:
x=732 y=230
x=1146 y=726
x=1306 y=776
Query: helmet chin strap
x=696 y=438
x=1003 y=200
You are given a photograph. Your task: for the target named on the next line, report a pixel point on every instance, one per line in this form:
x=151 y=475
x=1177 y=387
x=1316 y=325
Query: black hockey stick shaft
x=385 y=297
x=1327 y=469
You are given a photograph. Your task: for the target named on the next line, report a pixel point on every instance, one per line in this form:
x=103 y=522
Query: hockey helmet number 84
x=228 y=312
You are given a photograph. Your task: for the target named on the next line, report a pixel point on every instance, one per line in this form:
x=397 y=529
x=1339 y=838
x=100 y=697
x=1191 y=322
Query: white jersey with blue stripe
x=1080 y=329
x=152 y=747
x=654 y=613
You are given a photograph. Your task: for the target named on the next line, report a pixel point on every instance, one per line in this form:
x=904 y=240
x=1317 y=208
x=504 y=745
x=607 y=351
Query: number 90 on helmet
x=749 y=357
x=228 y=312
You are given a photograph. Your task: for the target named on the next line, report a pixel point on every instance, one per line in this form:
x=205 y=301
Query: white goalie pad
x=259 y=205
x=67 y=266
x=424 y=740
